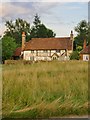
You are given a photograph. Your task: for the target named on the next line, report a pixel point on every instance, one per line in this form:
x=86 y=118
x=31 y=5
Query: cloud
x=24 y=9
x=44 y=7
x=59 y=16
x=45 y=1
x=3 y=28
x=15 y=9
x=10 y=10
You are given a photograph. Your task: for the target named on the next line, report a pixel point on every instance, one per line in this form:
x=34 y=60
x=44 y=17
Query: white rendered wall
x=42 y=55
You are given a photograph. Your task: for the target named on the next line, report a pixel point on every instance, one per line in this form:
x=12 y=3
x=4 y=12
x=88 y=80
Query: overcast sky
x=61 y=17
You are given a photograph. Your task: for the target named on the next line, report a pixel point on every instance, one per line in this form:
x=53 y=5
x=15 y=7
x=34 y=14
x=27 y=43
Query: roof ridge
x=50 y=38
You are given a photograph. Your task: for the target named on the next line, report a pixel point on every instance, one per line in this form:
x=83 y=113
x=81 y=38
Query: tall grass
x=45 y=89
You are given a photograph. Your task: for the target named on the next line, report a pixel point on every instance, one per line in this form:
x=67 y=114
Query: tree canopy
x=15 y=29
x=13 y=34
x=83 y=32
x=39 y=30
x=8 y=47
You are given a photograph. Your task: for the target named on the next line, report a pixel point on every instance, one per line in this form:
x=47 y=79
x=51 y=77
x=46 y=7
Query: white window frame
x=85 y=57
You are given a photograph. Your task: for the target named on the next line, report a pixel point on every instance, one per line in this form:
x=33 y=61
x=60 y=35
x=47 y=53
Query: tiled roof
x=86 y=50
x=46 y=44
x=17 y=51
x=49 y=44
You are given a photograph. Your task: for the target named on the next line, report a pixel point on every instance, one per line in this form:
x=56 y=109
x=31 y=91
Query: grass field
x=45 y=89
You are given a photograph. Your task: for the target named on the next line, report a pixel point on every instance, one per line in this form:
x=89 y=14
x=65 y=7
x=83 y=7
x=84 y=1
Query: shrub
x=74 y=56
x=79 y=48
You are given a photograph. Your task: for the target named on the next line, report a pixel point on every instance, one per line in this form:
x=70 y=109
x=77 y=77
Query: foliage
x=79 y=48
x=15 y=29
x=54 y=89
x=37 y=21
x=8 y=47
x=74 y=55
x=39 y=30
x=0 y=50
x=88 y=36
x=83 y=32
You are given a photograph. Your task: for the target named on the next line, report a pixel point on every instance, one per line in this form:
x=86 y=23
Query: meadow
x=45 y=89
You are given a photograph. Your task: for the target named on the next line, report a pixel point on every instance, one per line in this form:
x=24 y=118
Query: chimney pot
x=71 y=38
x=71 y=32
x=23 y=33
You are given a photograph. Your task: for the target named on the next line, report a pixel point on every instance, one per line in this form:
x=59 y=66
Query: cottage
x=45 y=48
x=85 y=53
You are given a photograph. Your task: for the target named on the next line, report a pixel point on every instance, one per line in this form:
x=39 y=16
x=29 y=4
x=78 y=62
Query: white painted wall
x=42 y=55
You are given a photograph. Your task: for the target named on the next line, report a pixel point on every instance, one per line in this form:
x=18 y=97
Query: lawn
x=45 y=89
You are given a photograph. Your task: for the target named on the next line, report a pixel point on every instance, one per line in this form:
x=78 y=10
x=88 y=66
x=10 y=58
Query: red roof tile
x=46 y=44
x=49 y=43
x=17 y=51
x=86 y=50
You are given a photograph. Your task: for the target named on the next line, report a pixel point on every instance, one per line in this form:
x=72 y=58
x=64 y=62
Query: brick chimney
x=71 y=38
x=23 y=40
x=84 y=44
x=71 y=35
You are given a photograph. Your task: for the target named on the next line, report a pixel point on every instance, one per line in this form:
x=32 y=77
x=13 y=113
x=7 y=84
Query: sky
x=61 y=17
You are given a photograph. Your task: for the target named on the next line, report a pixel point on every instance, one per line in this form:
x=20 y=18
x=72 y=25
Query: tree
x=79 y=48
x=0 y=51
x=74 y=55
x=15 y=29
x=8 y=47
x=39 y=30
x=37 y=21
x=82 y=30
x=88 y=36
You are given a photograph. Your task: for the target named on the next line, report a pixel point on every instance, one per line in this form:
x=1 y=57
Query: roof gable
x=55 y=54
x=46 y=44
x=86 y=50
x=17 y=51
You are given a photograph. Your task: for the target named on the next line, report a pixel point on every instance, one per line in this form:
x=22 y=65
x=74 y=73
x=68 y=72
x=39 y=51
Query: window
x=45 y=51
x=32 y=51
x=86 y=57
x=58 y=51
x=32 y=58
x=54 y=58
